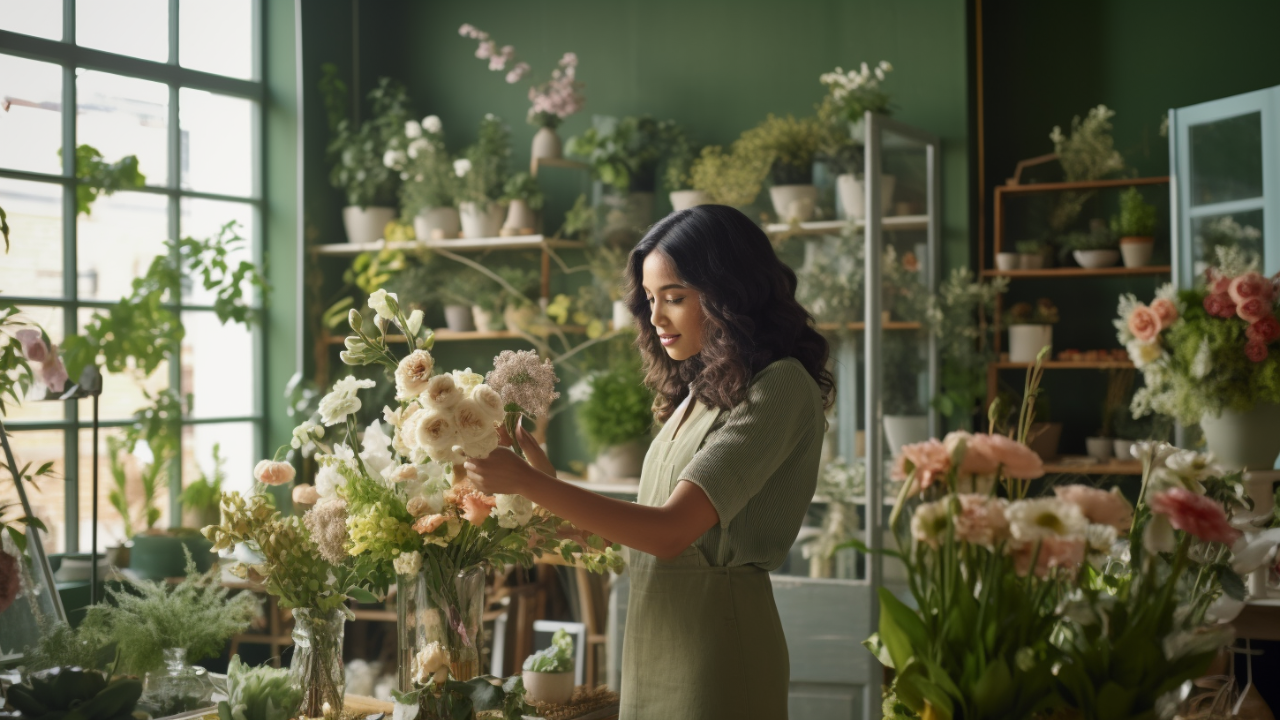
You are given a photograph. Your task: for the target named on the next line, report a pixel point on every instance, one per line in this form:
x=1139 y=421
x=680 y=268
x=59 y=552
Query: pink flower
x=1249 y=286
x=305 y=494
x=1165 y=310
x=1195 y=514
x=1253 y=309
x=499 y=60
x=1098 y=506
x=271 y=472
x=981 y=520
x=1017 y=460
x=1219 y=305
x=485 y=49
x=1218 y=284
x=33 y=347
x=517 y=73
x=428 y=523
x=52 y=373
x=1144 y=323
x=1054 y=552
x=978 y=459
x=476 y=506
x=1255 y=351
x=10 y=584
x=926 y=461
x=1266 y=330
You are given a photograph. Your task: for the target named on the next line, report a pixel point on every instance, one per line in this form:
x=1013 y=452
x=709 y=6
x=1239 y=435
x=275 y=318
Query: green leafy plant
x=150 y=478
x=1029 y=247
x=70 y=693
x=426 y=169
x=556 y=658
x=730 y=178
x=1043 y=312
x=482 y=169
x=523 y=186
x=679 y=163
x=358 y=153
x=1137 y=218
x=787 y=146
x=618 y=408
x=204 y=492
x=625 y=153
x=258 y=693
x=579 y=220
x=1088 y=153
x=99 y=177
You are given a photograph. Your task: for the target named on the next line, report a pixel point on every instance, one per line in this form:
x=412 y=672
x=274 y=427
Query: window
x=175 y=83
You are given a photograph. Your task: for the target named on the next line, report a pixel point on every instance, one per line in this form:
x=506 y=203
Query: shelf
x=447 y=335
x=830 y=227
x=1067 y=365
x=1081 y=185
x=516 y=242
x=1079 y=272
x=861 y=326
x=536 y=163
x=1112 y=467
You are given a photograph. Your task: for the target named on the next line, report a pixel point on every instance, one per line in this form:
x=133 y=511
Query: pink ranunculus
x=1196 y=514
x=428 y=523
x=476 y=507
x=981 y=520
x=1220 y=305
x=33 y=347
x=1266 y=330
x=1098 y=506
x=1256 y=351
x=52 y=372
x=1165 y=310
x=977 y=454
x=1253 y=309
x=1054 y=552
x=1144 y=323
x=928 y=461
x=1249 y=286
x=1018 y=461
x=271 y=472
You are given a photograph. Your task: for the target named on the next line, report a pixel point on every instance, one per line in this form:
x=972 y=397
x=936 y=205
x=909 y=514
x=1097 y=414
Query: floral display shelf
x=1075 y=272
x=515 y=242
x=828 y=227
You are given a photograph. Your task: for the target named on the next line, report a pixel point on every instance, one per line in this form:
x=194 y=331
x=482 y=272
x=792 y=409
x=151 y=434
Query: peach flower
x=1054 y=552
x=1195 y=514
x=1165 y=311
x=981 y=520
x=1098 y=506
x=271 y=472
x=1249 y=286
x=305 y=494
x=1144 y=323
x=475 y=506
x=978 y=459
x=428 y=523
x=1017 y=460
x=927 y=461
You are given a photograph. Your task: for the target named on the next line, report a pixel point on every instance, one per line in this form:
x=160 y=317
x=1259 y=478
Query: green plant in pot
x=482 y=178
x=730 y=178
x=1031 y=329
x=677 y=175
x=1032 y=254
x=615 y=413
x=965 y=346
x=548 y=673
x=200 y=498
x=1093 y=249
x=459 y=293
x=788 y=146
x=524 y=200
x=853 y=94
x=258 y=693
x=625 y=155
x=429 y=186
x=1136 y=228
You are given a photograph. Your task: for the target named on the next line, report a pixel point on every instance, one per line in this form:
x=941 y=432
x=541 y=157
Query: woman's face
x=675 y=310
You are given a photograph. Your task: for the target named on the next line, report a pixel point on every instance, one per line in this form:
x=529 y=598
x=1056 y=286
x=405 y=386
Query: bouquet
x=851 y=94
x=1208 y=349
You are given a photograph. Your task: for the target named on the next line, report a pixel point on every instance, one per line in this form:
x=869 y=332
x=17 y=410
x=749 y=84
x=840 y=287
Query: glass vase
x=317 y=661
x=178 y=687
x=448 y=613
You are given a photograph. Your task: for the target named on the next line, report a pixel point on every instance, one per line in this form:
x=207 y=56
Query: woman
x=741 y=383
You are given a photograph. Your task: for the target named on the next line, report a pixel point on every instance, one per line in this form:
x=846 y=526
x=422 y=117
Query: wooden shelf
x=536 y=163
x=1068 y=365
x=447 y=335
x=1112 y=467
x=861 y=326
x=1080 y=185
x=831 y=227
x=516 y=242
x=1079 y=272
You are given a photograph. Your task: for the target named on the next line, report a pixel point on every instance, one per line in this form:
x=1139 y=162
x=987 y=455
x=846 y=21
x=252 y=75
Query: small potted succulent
x=1030 y=254
x=525 y=201
x=1136 y=228
x=790 y=146
x=548 y=674
x=1094 y=249
x=1031 y=329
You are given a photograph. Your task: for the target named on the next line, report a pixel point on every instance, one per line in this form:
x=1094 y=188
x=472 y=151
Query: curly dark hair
x=749 y=302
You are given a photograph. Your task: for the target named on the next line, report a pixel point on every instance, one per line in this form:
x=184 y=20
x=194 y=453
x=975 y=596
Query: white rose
x=335 y=407
x=413 y=374
x=473 y=420
x=435 y=429
x=442 y=392
x=490 y=401
x=431 y=124
x=467 y=380
x=417 y=147
x=461 y=167
x=481 y=446
x=381 y=302
x=512 y=511
x=412 y=129
x=408 y=563
x=393 y=159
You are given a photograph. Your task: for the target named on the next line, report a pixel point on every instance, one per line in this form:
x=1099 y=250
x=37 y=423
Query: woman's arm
x=662 y=531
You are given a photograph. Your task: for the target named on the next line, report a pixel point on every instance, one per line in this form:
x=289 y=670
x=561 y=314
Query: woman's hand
x=532 y=450
x=503 y=472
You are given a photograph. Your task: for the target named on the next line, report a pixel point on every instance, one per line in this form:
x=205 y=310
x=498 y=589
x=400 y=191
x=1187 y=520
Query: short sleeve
x=759 y=434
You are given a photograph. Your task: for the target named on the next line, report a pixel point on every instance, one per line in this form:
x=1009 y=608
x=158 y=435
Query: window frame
x=71 y=57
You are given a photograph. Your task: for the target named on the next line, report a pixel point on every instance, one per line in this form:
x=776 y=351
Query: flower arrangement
x=426 y=171
x=482 y=169
x=1208 y=349
x=625 y=153
x=787 y=146
x=850 y=95
x=551 y=101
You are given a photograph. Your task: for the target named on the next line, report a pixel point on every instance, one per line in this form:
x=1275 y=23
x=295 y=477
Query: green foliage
x=372 y=270
x=205 y=491
x=556 y=658
x=1098 y=238
x=258 y=693
x=730 y=178
x=1029 y=247
x=1136 y=219
x=64 y=646
x=429 y=180
x=625 y=153
x=68 y=693
x=619 y=408
x=579 y=220
x=787 y=146
x=359 y=169
x=523 y=186
x=98 y=177
x=15 y=371
x=464 y=286
x=679 y=164
x=145 y=618
x=486 y=178
x=4 y=228
x=1088 y=153
x=1043 y=312
x=964 y=346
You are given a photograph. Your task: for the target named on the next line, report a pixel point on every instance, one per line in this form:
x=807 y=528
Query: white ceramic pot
x=794 y=203
x=366 y=225
x=1026 y=341
x=685 y=199
x=1137 y=251
x=1030 y=261
x=521 y=220
x=900 y=430
x=622 y=319
x=1099 y=448
x=1260 y=488
x=626 y=213
x=1245 y=439
x=458 y=318
x=480 y=221
x=546 y=144
x=440 y=223
x=1123 y=449
x=482 y=318
x=1007 y=261
x=853 y=195
x=550 y=688
x=1094 y=259
x=621 y=462
x=858 y=131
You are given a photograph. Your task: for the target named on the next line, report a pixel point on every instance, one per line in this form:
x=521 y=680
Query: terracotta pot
x=366 y=225
x=550 y=688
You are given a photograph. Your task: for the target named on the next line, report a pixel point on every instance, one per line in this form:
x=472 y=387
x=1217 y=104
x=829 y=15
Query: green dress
x=703 y=640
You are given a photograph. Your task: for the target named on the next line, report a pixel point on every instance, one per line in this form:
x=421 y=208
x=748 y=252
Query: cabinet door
x=1224 y=159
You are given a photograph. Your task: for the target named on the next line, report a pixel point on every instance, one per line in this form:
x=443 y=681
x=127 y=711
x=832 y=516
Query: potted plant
x=1206 y=357
x=1030 y=254
x=1094 y=249
x=1136 y=228
x=905 y=421
x=615 y=413
x=851 y=95
x=362 y=157
x=482 y=173
x=678 y=179
x=1103 y=446
x=429 y=185
x=548 y=673
x=847 y=160
x=729 y=178
x=624 y=155
x=965 y=347
x=788 y=146
x=200 y=498
x=458 y=294
x=524 y=198
x=1031 y=329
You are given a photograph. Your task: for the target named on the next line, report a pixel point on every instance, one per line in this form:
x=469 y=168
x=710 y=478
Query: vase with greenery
x=524 y=200
x=482 y=178
x=361 y=153
x=788 y=146
x=1031 y=329
x=615 y=413
x=429 y=186
x=1093 y=249
x=1136 y=228
x=852 y=94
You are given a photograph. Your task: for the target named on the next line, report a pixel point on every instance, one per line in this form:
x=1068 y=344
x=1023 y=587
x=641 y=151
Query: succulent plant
x=69 y=693
x=261 y=693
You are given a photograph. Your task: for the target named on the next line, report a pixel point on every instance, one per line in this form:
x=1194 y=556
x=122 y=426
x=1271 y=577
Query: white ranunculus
x=512 y=511
x=461 y=167
x=435 y=429
x=381 y=302
x=490 y=400
x=412 y=129
x=432 y=124
x=442 y=392
x=413 y=374
x=474 y=421
x=467 y=380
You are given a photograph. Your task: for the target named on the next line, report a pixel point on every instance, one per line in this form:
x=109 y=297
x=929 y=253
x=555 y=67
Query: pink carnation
x=1195 y=514
x=33 y=347
x=926 y=461
x=1098 y=506
x=1054 y=552
x=981 y=520
x=1165 y=311
x=978 y=458
x=271 y=472
x=428 y=523
x=1018 y=461
x=1144 y=323
x=1250 y=286
x=475 y=506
